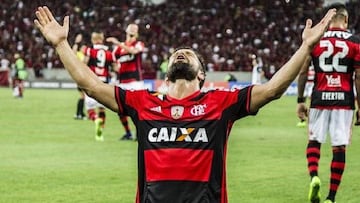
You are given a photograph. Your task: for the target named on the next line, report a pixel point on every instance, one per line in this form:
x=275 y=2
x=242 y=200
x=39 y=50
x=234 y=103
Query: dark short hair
x=340 y=9
x=337 y=6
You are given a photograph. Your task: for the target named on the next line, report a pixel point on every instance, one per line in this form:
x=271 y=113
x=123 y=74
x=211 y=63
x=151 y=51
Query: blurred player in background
x=102 y=62
x=335 y=59
x=183 y=134
x=128 y=55
x=19 y=74
x=79 y=114
x=164 y=65
x=230 y=78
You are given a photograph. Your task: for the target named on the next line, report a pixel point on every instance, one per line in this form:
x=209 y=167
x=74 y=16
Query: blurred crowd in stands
x=225 y=32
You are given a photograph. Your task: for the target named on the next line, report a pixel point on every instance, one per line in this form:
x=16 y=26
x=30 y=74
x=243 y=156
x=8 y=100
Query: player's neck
x=182 y=88
x=341 y=26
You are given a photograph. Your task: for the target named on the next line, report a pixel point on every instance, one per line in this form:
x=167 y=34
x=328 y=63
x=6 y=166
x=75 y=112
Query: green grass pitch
x=47 y=156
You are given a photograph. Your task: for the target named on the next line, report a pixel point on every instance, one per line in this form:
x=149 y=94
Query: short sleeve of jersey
x=120 y=99
x=128 y=98
x=240 y=103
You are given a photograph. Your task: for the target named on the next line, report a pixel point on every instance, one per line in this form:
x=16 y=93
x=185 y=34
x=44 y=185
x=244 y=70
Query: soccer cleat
x=314 y=190
x=127 y=136
x=79 y=117
x=98 y=130
x=301 y=124
x=329 y=201
x=99 y=138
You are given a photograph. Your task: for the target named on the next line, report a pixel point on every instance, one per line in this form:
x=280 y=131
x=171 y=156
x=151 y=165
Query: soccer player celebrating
x=182 y=135
x=129 y=76
x=335 y=59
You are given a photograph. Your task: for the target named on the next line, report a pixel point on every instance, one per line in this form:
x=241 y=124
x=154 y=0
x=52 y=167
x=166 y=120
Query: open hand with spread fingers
x=311 y=35
x=53 y=32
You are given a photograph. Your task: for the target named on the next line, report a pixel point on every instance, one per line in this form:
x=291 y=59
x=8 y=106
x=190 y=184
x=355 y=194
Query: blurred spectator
x=4 y=71
x=257 y=70
x=224 y=32
x=38 y=66
x=19 y=74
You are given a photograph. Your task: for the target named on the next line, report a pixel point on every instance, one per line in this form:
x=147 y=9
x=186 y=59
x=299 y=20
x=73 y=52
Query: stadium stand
x=224 y=32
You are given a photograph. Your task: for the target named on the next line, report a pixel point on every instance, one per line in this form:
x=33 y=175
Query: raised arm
x=274 y=88
x=57 y=35
x=115 y=41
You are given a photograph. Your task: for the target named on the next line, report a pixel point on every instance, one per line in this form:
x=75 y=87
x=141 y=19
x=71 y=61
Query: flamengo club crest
x=177 y=111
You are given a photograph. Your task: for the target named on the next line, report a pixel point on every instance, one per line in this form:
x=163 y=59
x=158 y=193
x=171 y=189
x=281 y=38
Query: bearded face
x=181 y=70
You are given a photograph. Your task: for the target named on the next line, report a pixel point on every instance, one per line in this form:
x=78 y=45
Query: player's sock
x=92 y=114
x=80 y=108
x=125 y=123
x=20 y=91
x=313 y=157
x=337 y=169
x=102 y=116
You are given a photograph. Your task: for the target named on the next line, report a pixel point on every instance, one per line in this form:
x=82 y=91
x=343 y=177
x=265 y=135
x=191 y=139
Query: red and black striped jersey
x=100 y=61
x=182 y=143
x=130 y=64
x=335 y=59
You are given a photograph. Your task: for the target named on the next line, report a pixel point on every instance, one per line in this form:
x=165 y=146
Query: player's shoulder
x=221 y=92
x=143 y=92
x=149 y=95
x=352 y=37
